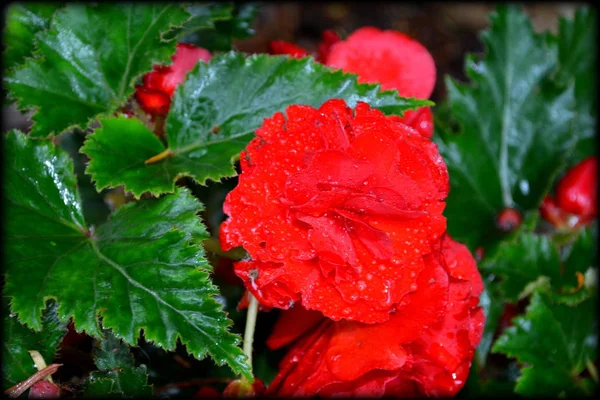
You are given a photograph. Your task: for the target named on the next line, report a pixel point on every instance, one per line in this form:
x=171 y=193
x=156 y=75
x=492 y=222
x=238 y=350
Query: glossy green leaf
x=577 y=66
x=89 y=60
x=221 y=36
x=143 y=269
x=17 y=340
x=203 y=18
x=118 y=375
x=23 y=21
x=535 y=260
x=213 y=116
x=530 y=260
x=554 y=342
x=515 y=131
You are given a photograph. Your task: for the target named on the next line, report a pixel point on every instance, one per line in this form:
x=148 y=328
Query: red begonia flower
x=283 y=47
x=390 y=58
x=154 y=95
x=425 y=349
x=337 y=209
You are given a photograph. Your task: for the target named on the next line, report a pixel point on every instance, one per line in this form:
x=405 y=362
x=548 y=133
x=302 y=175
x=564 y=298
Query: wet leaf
x=515 y=130
x=577 y=66
x=209 y=123
x=17 y=364
x=118 y=375
x=89 y=60
x=554 y=342
x=23 y=21
x=144 y=268
x=534 y=260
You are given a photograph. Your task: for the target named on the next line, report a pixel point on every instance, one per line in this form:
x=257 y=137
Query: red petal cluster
x=387 y=57
x=425 y=349
x=576 y=201
x=154 y=95
x=338 y=209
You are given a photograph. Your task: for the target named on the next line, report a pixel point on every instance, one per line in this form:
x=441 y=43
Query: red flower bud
x=550 y=211
x=328 y=39
x=44 y=390
x=243 y=388
x=576 y=192
x=508 y=219
x=283 y=47
x=421 y=120
x=154 y=96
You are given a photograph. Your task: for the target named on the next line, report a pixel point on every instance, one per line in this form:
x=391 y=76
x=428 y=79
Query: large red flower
x=337 y=209
x=425 y=349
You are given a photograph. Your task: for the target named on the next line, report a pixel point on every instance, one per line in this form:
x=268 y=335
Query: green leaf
x=515 y=130
x=238 y=26
x=89 y=60
x=534 y=260
x=577 y=66
x=523 y=263
x=143 y=269
x=213 y=116
x=555 y=342
x=23 y=21
x=18 y=340
x=492 y=305
x=118 y=376
x=203 y=17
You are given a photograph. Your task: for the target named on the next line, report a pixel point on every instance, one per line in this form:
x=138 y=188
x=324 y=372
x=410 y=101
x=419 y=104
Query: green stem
x=250 y=325
x=593 y=371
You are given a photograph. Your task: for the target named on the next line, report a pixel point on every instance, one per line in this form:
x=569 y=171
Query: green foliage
x=17 y=340
x=89 y=60
x=555 y=342
x=23 y=21
x=214 y=26
x=118 y=375
x=516 y=131
x=535 y=260
x=577 y=66
x=210 y=123
x=143 y=269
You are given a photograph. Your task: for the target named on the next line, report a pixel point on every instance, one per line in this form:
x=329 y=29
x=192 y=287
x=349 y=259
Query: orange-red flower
x=337 y=208
x=425 y=349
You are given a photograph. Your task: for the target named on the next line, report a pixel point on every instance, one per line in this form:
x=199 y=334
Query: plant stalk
x=250 y=326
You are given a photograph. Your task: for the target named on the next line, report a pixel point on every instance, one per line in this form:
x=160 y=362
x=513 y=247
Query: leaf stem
x=592 y=369
x=250 y=325
x=21 y=387
x=40 y=364
x=159 y=157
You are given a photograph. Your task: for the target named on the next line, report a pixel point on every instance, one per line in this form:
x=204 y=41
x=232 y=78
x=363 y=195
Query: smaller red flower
x=283 y=47
x=576 y=193
x=425 y=349
x=154 y=95
x=388 y=57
